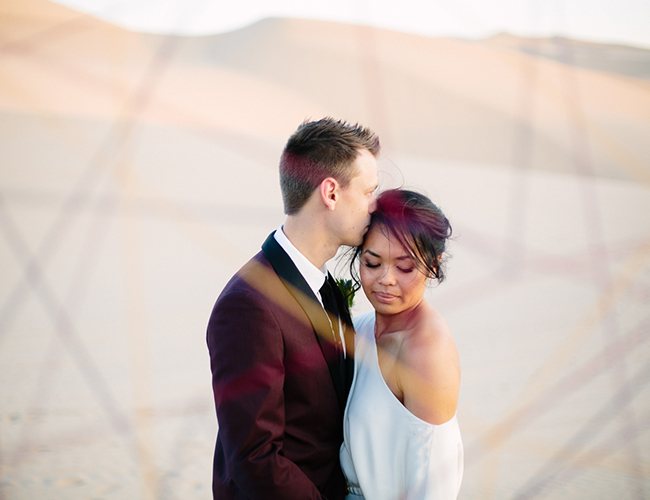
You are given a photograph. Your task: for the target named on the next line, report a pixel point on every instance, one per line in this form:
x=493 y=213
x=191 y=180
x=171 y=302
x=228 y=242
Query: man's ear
x=329 y=192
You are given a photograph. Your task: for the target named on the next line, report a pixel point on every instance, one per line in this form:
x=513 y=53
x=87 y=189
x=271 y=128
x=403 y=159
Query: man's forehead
x=366 y=167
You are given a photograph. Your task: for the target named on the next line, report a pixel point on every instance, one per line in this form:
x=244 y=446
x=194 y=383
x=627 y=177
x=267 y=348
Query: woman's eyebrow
x=403 y=257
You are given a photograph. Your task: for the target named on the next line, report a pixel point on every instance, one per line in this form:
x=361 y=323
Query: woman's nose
x=387 y=277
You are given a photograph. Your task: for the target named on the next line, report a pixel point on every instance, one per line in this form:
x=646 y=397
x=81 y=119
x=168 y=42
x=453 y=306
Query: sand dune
x=427 y=97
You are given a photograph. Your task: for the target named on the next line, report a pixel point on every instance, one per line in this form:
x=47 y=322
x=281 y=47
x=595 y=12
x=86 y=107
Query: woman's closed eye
x=402 y=269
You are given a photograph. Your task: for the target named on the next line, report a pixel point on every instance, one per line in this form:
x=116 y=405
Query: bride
x=401 y=436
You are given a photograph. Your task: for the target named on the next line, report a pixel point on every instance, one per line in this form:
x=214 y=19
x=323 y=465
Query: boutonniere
x=347 y=289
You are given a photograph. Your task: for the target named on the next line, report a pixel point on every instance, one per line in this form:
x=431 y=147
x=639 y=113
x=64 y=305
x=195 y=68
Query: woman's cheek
x=366 y=280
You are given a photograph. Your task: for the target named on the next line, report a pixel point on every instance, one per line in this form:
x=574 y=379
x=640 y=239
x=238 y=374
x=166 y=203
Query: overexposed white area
x=624 y=22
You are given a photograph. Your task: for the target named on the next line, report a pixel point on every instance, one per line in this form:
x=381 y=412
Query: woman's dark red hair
x=418 y=224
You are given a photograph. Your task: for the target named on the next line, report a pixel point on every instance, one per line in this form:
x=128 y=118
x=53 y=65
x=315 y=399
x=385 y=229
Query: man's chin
x=356 y=242
x=357 y=239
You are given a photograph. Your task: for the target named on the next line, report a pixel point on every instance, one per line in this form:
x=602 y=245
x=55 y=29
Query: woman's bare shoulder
x=431 y=375
x=429 y=335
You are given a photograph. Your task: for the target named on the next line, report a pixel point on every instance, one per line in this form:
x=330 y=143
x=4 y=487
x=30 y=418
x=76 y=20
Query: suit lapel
x=300 y=290
x=348 y=333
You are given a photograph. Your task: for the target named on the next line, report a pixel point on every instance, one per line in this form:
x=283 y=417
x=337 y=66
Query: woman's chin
x=383 y=307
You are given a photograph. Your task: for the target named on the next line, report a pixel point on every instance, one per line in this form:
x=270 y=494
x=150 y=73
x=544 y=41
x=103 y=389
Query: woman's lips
x=385 y=298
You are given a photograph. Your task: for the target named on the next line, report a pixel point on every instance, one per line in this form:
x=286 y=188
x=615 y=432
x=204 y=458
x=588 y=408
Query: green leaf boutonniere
x=347 y=289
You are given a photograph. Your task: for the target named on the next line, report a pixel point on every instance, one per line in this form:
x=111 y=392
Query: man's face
x=357 y=200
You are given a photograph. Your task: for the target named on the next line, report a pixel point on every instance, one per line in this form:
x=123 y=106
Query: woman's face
x=389 y=276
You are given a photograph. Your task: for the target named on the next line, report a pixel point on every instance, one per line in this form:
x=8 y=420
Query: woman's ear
x=329 y=192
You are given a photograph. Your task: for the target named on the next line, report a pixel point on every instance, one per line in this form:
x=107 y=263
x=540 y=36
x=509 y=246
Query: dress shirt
x=314 y=277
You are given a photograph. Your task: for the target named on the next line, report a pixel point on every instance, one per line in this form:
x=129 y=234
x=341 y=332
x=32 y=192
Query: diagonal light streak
x=115 y=141
x=80 y=280
x=542 y=481
x=564 y=353
x=623 y=158
x=33 y=277
x=518 y=200
x=63 y=324
x=582 y=162
x=76 y=201
x=600 y=261
x=514 y=241
x=54 y=32
x=563 y=388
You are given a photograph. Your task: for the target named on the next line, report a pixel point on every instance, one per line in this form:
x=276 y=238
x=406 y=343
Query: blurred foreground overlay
x=138 y=172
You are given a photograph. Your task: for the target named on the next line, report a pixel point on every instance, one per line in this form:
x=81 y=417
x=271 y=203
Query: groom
x=281 y=360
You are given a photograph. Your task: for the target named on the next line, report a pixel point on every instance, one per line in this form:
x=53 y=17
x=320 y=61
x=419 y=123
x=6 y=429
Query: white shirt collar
x=313 y=276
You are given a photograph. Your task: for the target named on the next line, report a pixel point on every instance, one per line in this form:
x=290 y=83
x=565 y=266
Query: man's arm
x=246 y=355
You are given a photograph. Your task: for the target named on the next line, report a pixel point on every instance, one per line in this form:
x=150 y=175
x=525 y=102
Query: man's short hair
x=318 y=150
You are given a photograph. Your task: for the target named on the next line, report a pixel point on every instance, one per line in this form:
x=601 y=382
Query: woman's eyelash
x=401 y=269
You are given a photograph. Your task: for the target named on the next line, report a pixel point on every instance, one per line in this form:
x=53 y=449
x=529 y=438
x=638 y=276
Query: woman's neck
x=402 y=321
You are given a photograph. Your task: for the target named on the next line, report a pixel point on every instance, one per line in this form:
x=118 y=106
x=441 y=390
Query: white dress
x=388 y=453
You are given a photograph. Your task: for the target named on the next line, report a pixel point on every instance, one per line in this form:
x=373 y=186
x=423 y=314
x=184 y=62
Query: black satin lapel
x=298 y=287
x=348 y=334
x=284 y=266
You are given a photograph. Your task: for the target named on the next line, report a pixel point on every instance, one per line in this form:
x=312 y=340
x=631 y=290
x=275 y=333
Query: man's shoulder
x=248 y=290
x=257 y=286
x=256 y=295
x=248 y=279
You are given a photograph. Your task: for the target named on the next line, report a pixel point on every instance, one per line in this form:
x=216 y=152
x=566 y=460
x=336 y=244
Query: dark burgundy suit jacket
x=279 y=385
